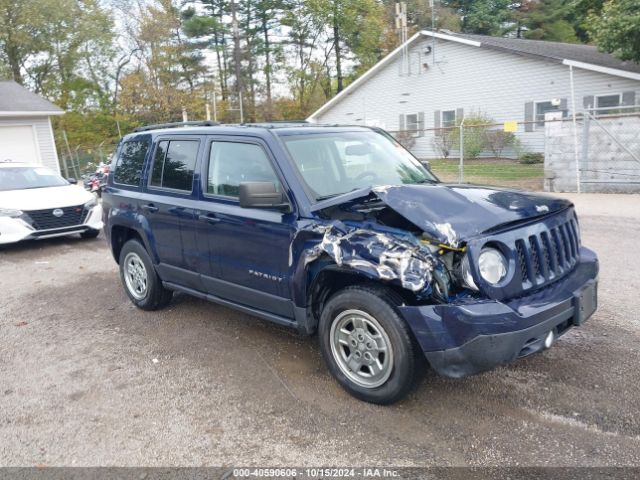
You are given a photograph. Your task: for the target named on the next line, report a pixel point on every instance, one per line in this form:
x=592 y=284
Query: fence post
x=461 y=166
x=575 y=129
x=66 y=141
x=585 y=137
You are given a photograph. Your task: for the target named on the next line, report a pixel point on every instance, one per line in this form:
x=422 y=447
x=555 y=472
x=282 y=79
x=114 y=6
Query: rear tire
x=139 y=278
x=366 y=345
x=88 y=234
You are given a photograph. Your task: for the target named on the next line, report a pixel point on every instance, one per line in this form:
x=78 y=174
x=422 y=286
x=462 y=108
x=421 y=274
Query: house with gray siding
x=25 y=126
x=436 y=78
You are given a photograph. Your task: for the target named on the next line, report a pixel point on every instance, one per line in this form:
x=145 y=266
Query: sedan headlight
x=10 y=212
x=492 y=265
x=90 y=204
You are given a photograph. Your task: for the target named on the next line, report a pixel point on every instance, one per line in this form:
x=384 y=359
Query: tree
x=617 y=29
x=60 y=48
x=269 y=13
x=80 y=40
x=487 y=17
x=169 y=70
x=550 y=20
x=20 y=34
x=212 y=32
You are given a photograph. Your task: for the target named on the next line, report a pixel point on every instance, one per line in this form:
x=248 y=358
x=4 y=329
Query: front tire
x=366 y=345
x=139 y=278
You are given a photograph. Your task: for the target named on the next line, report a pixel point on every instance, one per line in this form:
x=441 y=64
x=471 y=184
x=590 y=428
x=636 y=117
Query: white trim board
x=30 y=114
x=598 y=68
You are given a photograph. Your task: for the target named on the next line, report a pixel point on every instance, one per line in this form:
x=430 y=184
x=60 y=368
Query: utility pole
x=401 y=28
x=215 y=107
x=236 y=54
x=432 y=3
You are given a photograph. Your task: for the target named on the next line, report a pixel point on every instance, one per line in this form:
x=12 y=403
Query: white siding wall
x=475 y=79
x=44 y=138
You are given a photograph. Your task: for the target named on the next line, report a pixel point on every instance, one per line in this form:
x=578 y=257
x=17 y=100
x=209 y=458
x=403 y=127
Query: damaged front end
x=472 y=264
x=367 y=236
x=415 y=236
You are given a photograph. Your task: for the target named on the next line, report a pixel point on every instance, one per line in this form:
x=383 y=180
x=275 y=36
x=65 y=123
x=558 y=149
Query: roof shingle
x=552 y=50
x=16 y=98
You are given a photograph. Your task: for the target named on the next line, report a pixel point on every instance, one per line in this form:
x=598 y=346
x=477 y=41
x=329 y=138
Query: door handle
x=209 y=218
x=150 y=207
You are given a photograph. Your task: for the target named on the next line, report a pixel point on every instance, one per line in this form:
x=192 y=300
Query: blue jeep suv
x=340 y=231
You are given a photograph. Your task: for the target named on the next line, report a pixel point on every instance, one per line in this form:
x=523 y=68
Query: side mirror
x=72 y=181
x=261 y=195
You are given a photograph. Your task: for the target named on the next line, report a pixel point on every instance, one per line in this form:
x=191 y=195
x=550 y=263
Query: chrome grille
x=548 y=255
x=46 y=220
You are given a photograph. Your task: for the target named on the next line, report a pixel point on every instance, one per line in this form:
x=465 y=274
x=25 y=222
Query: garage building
x=25 y=126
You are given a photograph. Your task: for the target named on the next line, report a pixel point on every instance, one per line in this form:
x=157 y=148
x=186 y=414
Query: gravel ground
x=87 y=379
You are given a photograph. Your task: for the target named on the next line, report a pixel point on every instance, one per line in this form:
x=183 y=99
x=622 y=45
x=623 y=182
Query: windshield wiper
x=425 y=180
x=327 y=197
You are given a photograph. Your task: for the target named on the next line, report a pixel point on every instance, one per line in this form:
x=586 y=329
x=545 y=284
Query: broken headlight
x=465 y=274
x=492 y=265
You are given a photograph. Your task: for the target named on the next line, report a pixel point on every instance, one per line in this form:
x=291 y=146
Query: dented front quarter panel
x=446 y=214
x=376 y=254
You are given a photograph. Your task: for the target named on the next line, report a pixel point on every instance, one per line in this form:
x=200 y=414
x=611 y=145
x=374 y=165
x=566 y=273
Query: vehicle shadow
x=50 y=244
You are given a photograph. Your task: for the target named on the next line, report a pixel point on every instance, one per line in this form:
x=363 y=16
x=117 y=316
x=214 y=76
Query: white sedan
x=36 y=202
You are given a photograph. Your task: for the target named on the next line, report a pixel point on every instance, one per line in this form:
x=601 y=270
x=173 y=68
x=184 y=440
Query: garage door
x=18 y=144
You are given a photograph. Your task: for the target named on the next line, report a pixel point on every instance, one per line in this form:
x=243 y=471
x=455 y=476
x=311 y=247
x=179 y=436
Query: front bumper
x=14 y=230
x=466 y=338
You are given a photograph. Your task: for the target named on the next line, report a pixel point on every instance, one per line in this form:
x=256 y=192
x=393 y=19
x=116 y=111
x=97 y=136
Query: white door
x=18 y=144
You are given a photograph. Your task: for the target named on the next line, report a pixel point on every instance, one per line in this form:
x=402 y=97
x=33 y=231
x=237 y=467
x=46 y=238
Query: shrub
x=444 y=141
x=406 y=139
x=530 y=158
x=498 y=140
x=475 y=127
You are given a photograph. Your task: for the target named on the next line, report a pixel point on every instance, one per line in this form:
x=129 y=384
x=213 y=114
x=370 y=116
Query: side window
x=174 y=163
x=541 y=109
x=232 y=163
x=129 y=164
x=412 y=124
x=607 y=103
x=448 y=118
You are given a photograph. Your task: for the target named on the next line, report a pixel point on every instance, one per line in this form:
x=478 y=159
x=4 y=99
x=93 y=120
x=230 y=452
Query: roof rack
x=276 y=123
x=199 y=123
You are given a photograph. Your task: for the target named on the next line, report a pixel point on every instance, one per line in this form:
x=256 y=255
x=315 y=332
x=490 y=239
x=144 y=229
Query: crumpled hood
x=453 y=213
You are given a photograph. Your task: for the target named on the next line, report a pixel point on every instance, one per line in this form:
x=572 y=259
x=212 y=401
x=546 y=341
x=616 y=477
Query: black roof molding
x=195 y=123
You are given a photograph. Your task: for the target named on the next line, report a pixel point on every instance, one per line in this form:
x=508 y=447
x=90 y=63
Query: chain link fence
x=481 y=153
x=598 y=150
x=83 y=160
x=599 y=153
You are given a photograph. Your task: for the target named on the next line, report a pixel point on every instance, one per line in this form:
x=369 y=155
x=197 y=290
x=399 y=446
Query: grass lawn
x=491 y=171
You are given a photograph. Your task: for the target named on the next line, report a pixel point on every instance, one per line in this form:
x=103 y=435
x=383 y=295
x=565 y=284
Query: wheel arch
x=331 y=278
x=121 y=234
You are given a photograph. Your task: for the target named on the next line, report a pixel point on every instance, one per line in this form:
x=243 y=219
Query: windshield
x=20 y=178
x=335 y=163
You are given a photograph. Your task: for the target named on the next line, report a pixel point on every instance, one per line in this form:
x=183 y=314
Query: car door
x=248 y=248
x=170 y=210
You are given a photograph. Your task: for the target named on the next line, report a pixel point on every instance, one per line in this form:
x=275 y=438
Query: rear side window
x=129 y=164
x=232 y=163
x=174 y=163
